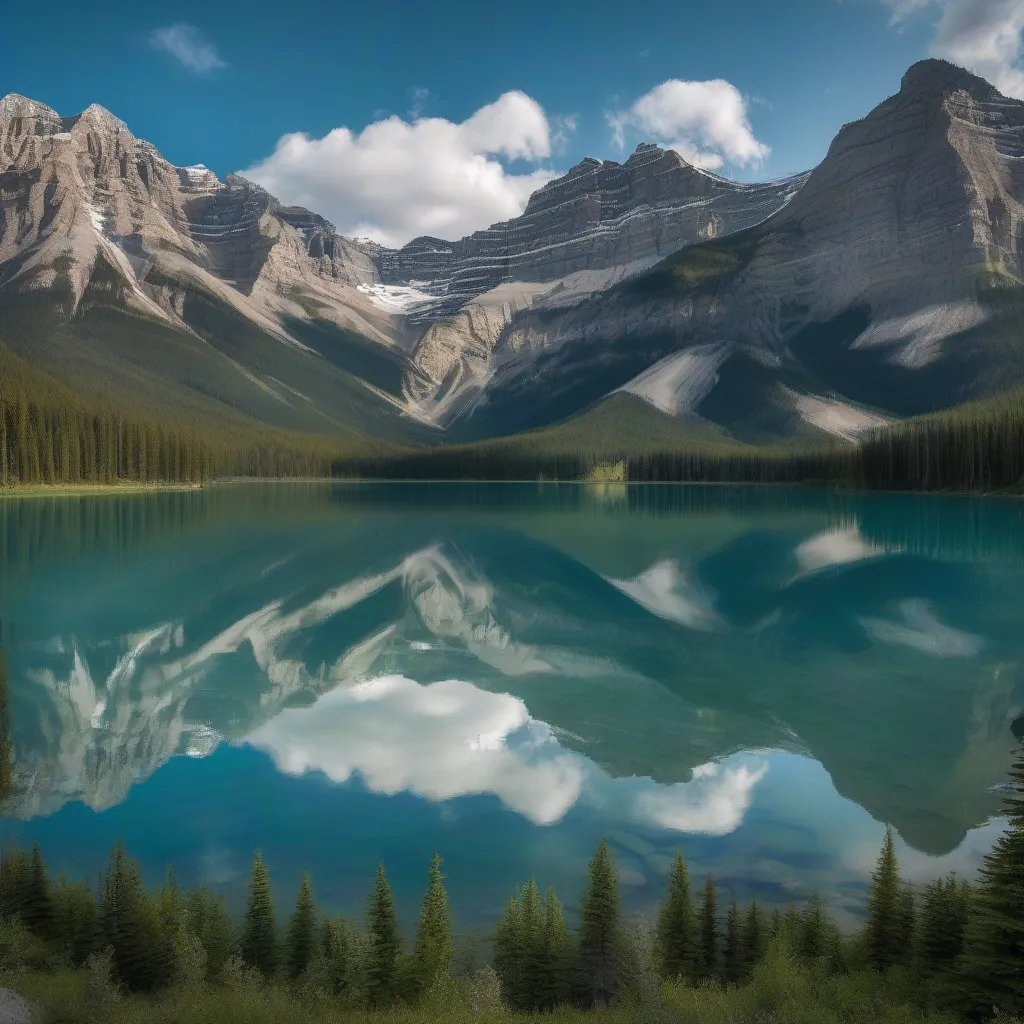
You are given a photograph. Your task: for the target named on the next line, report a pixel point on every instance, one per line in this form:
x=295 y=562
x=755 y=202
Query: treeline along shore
x=950 y=952
x=51 y=436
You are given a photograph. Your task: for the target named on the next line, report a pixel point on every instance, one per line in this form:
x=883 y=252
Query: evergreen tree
x=433 y=951
x=599 y=936
x=940 y=938
x=37 y=911
x=302 y=930
x=385 y=943
x=171 y=909
x=775 y=927
x=533 y=945
x=209 y=919
x=259 y=932
x=510 y=953
x=755 y=936
x=992 y=972
x=708 y=919
x=130 y=925
x=553 y=976
x=886 y=936
x=336 y=951
x=813 y=937
x=75 y=920
x=678 y=942
x=733 y=959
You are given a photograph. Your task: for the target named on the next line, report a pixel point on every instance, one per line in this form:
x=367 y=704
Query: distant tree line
x=955 y=945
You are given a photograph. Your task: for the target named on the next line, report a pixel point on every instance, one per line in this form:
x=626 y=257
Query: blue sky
x=221 y=84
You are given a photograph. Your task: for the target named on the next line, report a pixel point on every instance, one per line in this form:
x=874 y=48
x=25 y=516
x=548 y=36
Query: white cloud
x=835 y=547
x=705 y=122
x=397 y=179
x=189 y=45
x=918 y=627
x=983 y=36
x=450 y=739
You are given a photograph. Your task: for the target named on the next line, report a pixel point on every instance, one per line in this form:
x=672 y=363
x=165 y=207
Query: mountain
x=885 y=283
x=133 y=276
x=890 y=285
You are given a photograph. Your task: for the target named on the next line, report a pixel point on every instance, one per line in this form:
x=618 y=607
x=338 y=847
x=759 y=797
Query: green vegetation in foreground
x=952 y=952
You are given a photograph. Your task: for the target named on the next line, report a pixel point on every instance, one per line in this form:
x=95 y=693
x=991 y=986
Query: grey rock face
x=913 y=222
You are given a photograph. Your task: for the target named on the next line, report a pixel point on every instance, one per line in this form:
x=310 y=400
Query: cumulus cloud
x=981 y=35
x=451 y=739
x=397 y=179
x=188 y=45
x=705 y=122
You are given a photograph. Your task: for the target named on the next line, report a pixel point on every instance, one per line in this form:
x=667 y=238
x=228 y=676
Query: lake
x=337 y=674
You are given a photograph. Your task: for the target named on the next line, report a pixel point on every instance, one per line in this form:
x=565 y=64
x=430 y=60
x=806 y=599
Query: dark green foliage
x=131 y=926
x=813 y=942
x=510 y=952
x=678 y=942
x=171 y=909
x=941 y=923
x=37 y=912
x=733 y=965
x=993 y=962
x=385 y=942
x=707 y=964
x=302 y=930
x=599 y=933
x=888 y=932
x=14 y=883
x=335 y=954
x=209 y=920
x=552 y=977
x=259 y=932
x=76 y=920
x=433 y=951
x=755 y=935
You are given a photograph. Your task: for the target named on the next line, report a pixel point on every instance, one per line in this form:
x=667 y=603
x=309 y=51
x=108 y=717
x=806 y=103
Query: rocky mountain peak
x=939 y=77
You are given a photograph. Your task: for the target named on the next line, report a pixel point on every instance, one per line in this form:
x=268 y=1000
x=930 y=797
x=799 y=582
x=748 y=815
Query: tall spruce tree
x=171 y=906
x=992 y=971
x=755 y=936
x=708 y=919
x=732 y=959
x=678 y=941
x=510 y=952
x=385 y=942
x=37 y=912
x=775 y=926
x=259 y=930
x=813 y=939
x=302 y=930
x=941 y=924
x=533 y=945
x=887 y=940
x=553 y=979
x=433 y=950
x=599 y=933
x=336 y=950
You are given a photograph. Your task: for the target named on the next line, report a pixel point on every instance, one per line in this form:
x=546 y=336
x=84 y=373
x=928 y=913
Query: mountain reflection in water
x=648 y=662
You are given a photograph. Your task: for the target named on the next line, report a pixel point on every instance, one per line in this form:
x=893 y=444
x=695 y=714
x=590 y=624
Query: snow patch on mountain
x=678 y=383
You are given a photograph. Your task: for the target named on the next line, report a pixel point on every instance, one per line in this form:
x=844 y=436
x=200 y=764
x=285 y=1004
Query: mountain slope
x=891 y=281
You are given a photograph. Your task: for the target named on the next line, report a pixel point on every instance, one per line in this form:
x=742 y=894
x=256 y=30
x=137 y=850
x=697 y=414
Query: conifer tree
x=775 y=926
x=37 y=912
x=940 y=938
x=599 y=934
x=385 y=943
x=678 y=943
x=992 y=971
x=708 y=918
x=732 y=960
x=259 y=931
x=302 y=930
x=755 y=936
x=813 y=937
x=76 y=920
x=533 y=945
x=886 y=936
x=510 y=952
x=171 y=909
x=336 y=950
x=211 y=921
x=433 y=950
x=552 y=982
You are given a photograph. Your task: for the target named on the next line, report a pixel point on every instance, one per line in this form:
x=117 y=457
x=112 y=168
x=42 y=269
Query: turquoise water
x=762 y=677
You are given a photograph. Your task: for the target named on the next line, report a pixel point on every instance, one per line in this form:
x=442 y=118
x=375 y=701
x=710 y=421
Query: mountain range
x=882 y=284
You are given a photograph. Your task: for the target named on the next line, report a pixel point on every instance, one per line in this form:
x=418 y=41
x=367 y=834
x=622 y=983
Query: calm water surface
x=762 y=677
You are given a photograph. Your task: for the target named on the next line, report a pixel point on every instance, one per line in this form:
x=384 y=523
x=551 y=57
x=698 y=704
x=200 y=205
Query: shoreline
x=135 y=487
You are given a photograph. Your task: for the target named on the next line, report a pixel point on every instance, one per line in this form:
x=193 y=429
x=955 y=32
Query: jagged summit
x=941 y=76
